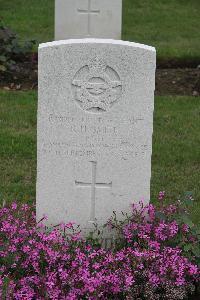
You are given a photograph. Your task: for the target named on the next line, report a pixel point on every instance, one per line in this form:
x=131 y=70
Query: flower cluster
x=59 y=264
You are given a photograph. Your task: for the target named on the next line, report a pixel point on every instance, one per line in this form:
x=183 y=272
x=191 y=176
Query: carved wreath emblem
x=96 y=87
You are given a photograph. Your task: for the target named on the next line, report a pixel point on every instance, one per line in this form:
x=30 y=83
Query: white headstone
x=88 y=18
x=95 y=124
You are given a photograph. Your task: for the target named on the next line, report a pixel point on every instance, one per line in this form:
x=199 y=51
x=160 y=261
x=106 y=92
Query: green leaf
x=188 y=194
x=188 y=197
x=3 y=58
x=188 y=202
x=187 y=247
x=196 y=250
x=187 y=220
x=2 y=68
x=195 y=230
x=160 y=215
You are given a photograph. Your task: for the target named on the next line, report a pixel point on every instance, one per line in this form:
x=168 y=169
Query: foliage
x=162 y=226
x=149 y=262
x=11 y=49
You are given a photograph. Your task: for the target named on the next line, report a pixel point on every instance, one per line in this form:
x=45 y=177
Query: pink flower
x=185 y=228
x=25 y=207
x=193 y=269
x=173 y=228
x=151 y=212
x=14 y=206
x=154 y=245
x=180 y=281
x=161 y=195
x=129 y=280
x=39 y=264
x=154 y=279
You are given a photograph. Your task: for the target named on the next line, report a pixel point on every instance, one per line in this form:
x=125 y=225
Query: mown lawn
x=18 y=146
x=175 y=161
x=171 y=26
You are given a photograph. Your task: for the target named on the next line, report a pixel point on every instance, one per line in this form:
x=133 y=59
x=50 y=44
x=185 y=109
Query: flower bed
x=156 y=256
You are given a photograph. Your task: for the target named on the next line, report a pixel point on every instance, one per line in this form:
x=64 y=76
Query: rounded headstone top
x=97 y=41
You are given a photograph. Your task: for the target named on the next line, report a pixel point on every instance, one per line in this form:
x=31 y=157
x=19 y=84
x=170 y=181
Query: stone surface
x=88 y=18
x=95 y=123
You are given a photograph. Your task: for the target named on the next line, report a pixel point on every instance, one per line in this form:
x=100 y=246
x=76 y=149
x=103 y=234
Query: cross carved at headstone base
x=94 y=185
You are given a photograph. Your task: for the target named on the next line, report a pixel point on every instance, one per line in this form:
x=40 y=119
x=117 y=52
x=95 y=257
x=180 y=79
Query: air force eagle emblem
x=96 y=87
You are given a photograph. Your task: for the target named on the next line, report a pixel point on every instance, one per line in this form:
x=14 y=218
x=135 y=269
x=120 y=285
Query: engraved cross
x=89 y=12
x=93 y=186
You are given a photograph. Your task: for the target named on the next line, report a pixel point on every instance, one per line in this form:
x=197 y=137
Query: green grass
x=18 y=146
x=171 y=26
x=176 y=155
x=175 y=161
x=31 y=19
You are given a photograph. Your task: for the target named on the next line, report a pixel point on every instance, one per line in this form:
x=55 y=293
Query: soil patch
x=172 y=77
x=24 y=76
x=178 y=82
